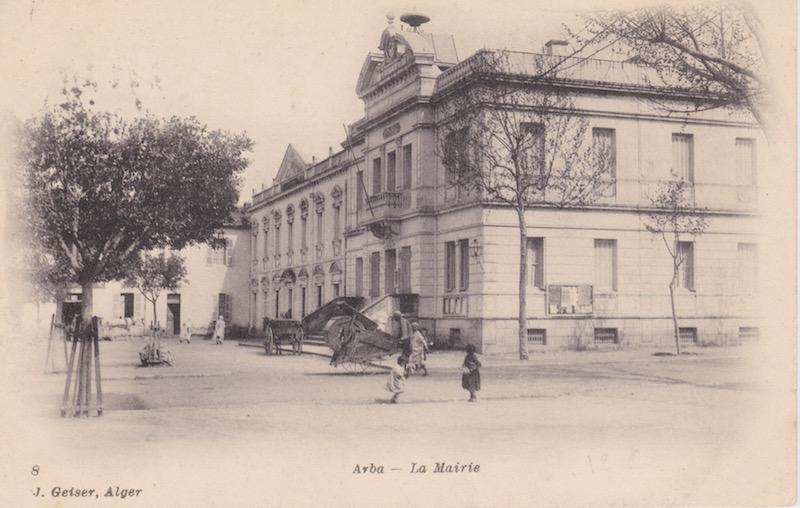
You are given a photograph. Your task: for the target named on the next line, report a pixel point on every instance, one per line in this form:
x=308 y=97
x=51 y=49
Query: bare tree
x=715 y=50
x=675 y=220
x=515 y=138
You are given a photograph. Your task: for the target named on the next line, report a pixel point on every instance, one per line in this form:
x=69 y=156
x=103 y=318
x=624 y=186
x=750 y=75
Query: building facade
x=378 y=217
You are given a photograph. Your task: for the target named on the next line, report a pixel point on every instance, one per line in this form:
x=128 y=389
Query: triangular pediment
x=291 y=165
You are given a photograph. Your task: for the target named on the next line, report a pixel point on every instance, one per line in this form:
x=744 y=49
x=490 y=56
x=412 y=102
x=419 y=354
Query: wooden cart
x=278 y=332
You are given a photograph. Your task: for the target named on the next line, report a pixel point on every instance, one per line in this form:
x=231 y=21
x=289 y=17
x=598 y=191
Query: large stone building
x=378 y=217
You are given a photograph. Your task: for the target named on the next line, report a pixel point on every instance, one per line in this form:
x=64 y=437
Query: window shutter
x=214 y=307
x=228 y=308
x=117 y=306
x=138 y=301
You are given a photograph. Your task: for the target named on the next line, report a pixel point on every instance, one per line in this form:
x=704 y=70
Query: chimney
x=556 y=47
x=330 y=156
x=313 y=159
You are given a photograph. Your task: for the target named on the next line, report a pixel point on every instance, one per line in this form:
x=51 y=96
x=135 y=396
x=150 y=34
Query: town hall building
x=378 y=218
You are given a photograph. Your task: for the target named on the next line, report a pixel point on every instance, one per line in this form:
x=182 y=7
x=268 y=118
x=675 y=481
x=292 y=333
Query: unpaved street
x=229 y=423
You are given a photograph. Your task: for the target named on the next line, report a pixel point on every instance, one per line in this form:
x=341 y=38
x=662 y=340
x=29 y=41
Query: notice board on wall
x=569 y=299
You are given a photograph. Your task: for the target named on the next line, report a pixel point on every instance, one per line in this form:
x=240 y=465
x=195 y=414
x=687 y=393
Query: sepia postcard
x=344 y=254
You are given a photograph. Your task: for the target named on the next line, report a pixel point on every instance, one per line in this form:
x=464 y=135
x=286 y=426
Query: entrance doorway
x=71 y=307
x=174 y=313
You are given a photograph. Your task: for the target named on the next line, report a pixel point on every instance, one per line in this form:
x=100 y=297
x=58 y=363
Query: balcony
x=386 y=205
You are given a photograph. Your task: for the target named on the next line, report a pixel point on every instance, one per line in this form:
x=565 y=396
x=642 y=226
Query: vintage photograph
x=363 y=254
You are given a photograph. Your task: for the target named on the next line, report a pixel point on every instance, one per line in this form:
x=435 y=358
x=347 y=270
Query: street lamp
x=475 y=248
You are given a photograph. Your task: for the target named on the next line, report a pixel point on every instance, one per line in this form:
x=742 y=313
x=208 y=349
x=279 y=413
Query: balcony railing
x=386 y=205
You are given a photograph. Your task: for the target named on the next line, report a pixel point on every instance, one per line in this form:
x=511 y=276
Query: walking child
x=397 y=378
x=471 y=375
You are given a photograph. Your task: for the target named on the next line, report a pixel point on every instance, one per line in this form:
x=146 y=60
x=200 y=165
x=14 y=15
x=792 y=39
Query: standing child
x=397 y=378
x=471 y=376
x=219 y=331
x=187 y=332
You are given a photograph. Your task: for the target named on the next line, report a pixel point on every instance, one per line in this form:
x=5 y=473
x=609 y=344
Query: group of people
x=414 y=350
x=219 y=331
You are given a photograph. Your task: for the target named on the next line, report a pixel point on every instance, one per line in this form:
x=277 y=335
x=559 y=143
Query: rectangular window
x=290 y=303
x=536 y=261
x=266 y=244
x=605 y=335
x=687 y=335
x=224 y=309
x=533 y=146
x=304 y=232
x=745 y=162
x=277 y=242
x=390 y=264
x=449 y=266
x=456 y=162
x=289 y=236
x=320 y=228
x=222 y=255
x=683 y=156
x=277 y=303
x=686 y=267
x=319 y=296
x=127 y=305
x=407 y=161
x=605 y=146
x=336 y=290
x=748 y=333
x=303 y=298
x=359 y=276
x=391 y=168
x=605 y=265
x=405 y=270
x=748 y=267
x=377 y=177
x=375 y=274
x=537 y=336
x=337 y=222
x=463 y=264
x=361 y=190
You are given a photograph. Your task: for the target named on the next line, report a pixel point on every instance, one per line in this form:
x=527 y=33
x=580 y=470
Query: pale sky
x=284 y=72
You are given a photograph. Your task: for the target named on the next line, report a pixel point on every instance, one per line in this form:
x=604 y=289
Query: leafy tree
x=154 y=273
x=521 y=143
x=714 y=49
x=99 y=188
x=674 y=218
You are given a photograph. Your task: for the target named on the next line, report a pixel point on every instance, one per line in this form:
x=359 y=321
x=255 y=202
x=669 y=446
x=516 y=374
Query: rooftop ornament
x=414 y=20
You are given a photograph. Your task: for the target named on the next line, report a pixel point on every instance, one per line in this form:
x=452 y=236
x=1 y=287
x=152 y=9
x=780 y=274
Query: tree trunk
x=61 y=293
x=523 y=287
x=155 y=316
x=674 y=313
x=86 y=303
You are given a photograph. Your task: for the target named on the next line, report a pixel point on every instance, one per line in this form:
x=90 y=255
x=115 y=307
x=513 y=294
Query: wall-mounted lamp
x=475 y=248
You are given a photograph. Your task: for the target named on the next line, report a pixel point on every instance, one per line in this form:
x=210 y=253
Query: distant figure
x=428 y=340
x=401 y=331
x=471 y=376
x=187 y=332
x=397 y=379
x=416 y=360
x=219 y=331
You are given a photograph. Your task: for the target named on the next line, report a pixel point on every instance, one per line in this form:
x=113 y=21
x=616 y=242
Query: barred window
x=605 y=265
